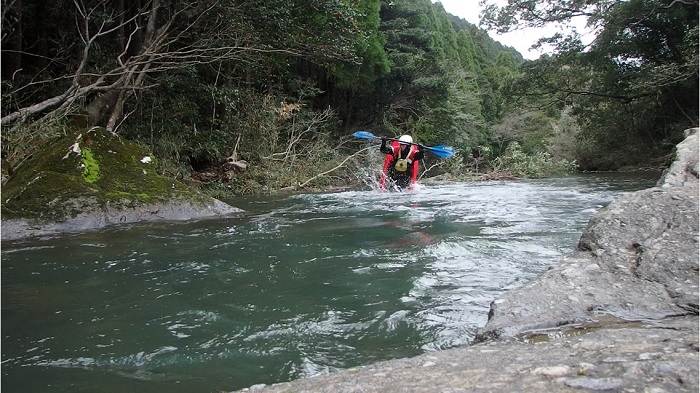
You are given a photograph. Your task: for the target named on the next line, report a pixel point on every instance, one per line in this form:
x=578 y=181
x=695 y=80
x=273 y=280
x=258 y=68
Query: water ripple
x=300 y=285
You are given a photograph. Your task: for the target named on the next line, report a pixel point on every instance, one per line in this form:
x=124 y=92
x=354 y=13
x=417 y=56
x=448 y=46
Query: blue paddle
x=440 y=151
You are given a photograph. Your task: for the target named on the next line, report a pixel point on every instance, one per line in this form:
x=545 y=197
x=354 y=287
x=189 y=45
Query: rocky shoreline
x=620 y=314
x=105 y=216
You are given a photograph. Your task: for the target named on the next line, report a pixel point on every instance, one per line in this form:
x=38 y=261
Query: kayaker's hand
x=420 y=154
x=383 y=147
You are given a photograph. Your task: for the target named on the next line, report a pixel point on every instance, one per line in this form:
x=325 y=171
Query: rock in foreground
x=91 y=179
x=633 y=359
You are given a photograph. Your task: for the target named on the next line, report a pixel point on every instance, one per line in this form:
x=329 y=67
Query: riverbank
x=619 y=314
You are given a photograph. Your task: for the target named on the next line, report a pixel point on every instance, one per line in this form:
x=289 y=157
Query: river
x=299 y=285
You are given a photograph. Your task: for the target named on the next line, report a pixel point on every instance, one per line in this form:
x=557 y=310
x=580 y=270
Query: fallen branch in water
x=435 y=165
x=336 y=167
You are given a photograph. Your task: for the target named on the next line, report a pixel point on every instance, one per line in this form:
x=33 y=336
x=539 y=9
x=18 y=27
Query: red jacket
x=391 y=159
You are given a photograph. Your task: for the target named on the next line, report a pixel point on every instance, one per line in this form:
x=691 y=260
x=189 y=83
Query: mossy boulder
x=90 y=179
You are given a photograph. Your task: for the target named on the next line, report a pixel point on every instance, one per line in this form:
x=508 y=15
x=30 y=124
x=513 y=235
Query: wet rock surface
x=620 y=314
x=639 y=359
x=100 y=216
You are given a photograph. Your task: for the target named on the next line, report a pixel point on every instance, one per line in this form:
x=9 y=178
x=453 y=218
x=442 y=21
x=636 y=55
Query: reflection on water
x=300 y=285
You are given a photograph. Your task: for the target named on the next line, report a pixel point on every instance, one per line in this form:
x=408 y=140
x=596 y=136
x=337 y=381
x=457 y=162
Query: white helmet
x=405 y=139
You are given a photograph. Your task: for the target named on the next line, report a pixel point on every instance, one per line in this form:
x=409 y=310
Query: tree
x=633 y=90
x=199 y=81
x=120 y=46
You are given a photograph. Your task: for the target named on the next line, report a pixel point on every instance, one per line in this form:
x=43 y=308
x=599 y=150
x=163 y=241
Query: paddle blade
x=441 y=151
x=364 y=135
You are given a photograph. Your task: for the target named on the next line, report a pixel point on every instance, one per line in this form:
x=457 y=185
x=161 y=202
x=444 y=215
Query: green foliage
x=436 y=87
x=275 y=84
x=369 y=46
x=455 y=168
x=535 y=165
x=187 y=129
x=565 y=142
x=632 y=92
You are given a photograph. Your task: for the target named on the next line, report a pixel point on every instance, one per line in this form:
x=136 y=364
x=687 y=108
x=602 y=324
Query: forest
x=245 y=97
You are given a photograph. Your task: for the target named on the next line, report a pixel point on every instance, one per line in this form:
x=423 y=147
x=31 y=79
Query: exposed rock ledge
x=620 y=314
x=174 y=210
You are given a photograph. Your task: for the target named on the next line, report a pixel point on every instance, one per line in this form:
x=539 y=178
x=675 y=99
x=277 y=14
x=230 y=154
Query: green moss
x=116 y=195
x=48 y=196
x=85 y=170
x=91 y=169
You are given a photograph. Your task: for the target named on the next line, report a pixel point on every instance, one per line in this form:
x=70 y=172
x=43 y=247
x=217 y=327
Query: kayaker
x=400 y=163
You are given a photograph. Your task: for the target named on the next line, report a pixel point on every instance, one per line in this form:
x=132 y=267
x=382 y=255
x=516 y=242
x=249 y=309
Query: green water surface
x=299 y=285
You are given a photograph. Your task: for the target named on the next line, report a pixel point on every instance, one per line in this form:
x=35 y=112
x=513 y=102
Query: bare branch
x=302 y=185
x=686 y=2
x=163 y=47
